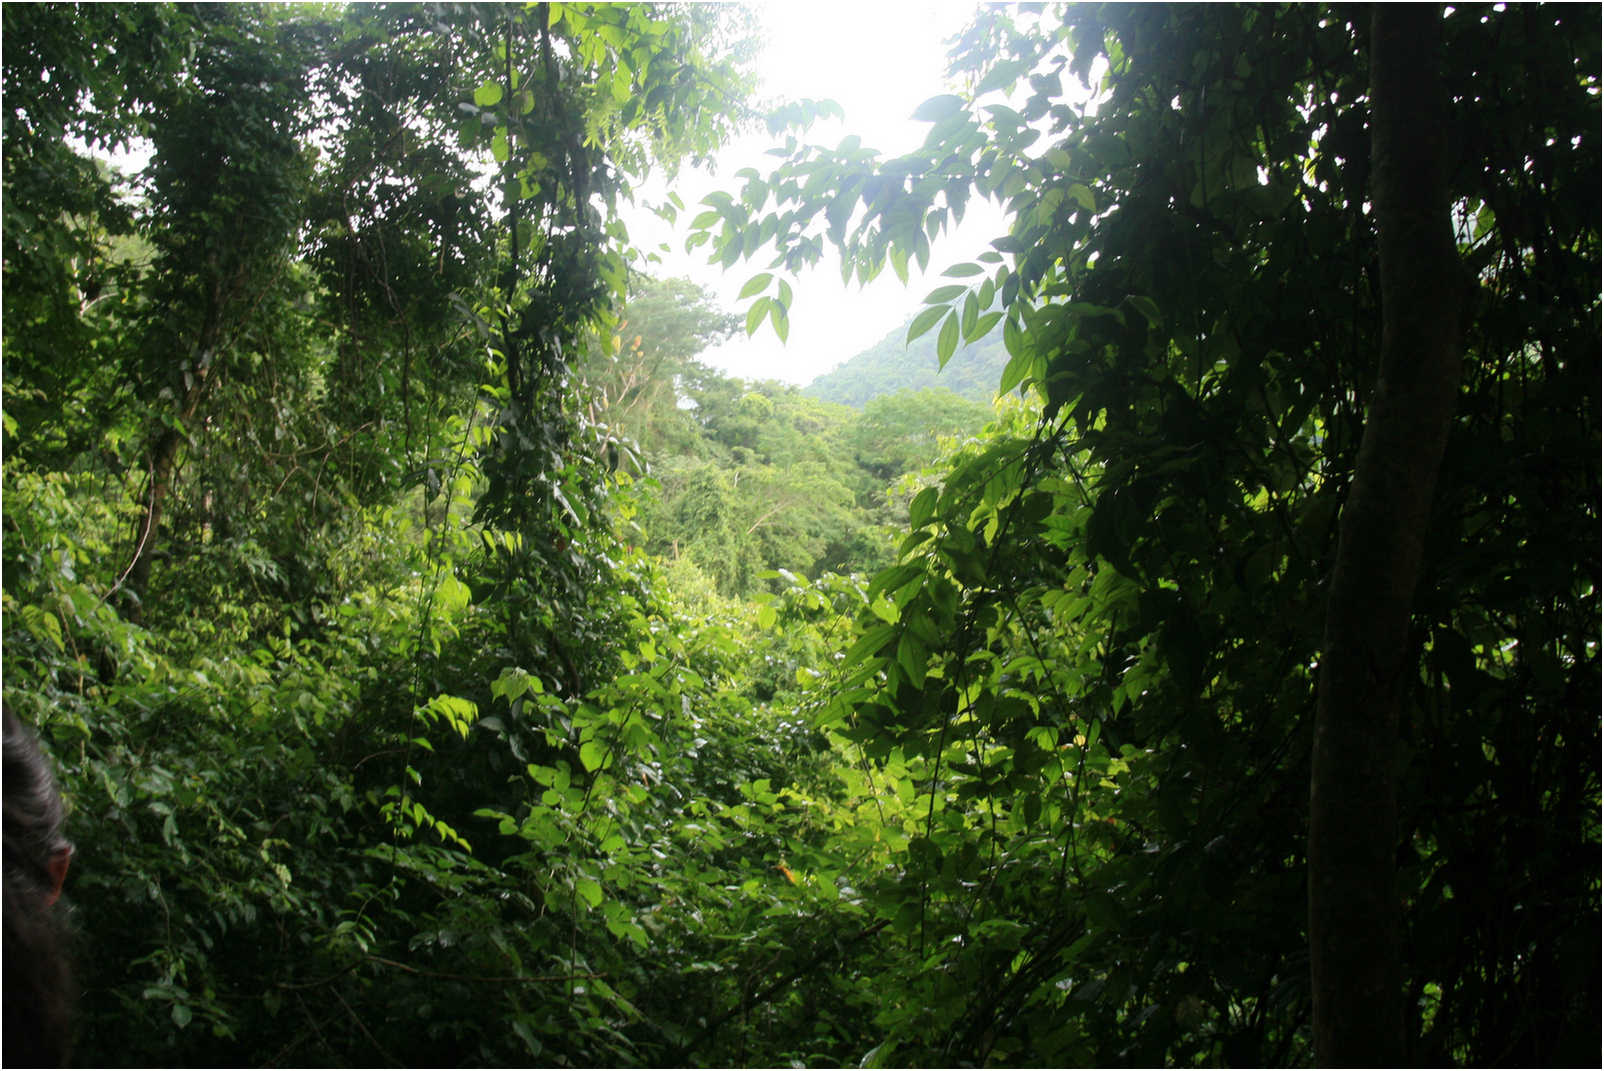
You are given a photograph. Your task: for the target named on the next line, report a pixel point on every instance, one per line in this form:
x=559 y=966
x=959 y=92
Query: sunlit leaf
x=755 y=314
x=589 y=891
x=938 y=108
x=925 y=321
x=947 y=341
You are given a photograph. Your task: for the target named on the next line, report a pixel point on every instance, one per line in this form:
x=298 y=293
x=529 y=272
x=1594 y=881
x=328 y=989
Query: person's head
x=37 y=986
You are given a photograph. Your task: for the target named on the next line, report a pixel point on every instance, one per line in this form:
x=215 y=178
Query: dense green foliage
x=444 y=667
x=1098 y=655
x=894 y=363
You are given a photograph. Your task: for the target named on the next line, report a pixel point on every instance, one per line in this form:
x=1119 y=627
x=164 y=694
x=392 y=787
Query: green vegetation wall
x=443 y=667
x=1097 y=659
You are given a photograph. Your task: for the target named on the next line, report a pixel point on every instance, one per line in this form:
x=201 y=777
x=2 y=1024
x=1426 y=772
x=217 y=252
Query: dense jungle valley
x=1177 y=645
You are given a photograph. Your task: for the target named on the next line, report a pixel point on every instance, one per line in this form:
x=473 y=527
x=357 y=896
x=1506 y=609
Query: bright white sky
x=878 y=59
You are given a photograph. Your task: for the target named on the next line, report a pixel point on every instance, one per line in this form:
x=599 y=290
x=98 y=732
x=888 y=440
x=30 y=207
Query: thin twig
x=143 y=536
x=488 y=978
x=365 y=1033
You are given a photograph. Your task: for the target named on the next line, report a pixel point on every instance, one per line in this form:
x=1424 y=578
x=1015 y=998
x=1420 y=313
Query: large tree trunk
x=1355 y=923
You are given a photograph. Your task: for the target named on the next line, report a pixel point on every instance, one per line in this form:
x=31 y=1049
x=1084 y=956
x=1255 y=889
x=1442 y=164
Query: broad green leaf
x=453 y=594
x=589 y=891
x=947 y=341
x=870 y=643
x=1014 y=372
x=943 y=294
x=925 y=321
x=1147 y=307
x=884 y=609
x=938 y=108
x=912 y=656
x=899 y=263
x=839 y=211
x=1002 y=76
x=982 y=327
x=988 y=292
x=922 y=506
x=488 y=95
x=894 y=577
x=1014 y=341
x=754 y=315
x=755 y=285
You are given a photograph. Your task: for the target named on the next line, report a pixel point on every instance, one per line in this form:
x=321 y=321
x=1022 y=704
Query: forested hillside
x=443 y=666
x=894 y=363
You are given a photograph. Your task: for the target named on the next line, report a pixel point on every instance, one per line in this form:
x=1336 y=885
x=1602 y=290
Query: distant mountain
x=888 y=366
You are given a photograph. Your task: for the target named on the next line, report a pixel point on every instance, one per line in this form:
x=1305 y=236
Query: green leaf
x=958 y=271
x=947 y=341
x=894 y=577
x=943 y=294
x=1082 y=196
x=922 y=507
x=982 y=327
x=1147 y=307
x=899 y=263
x=925 y=321
x=755 y=285
x=592 y=755
x=885 y=610
x=487 y=95
x=589 y=891
x=453 y=594
x=754 y=315
x=1015 y=371
x=1013 y=341
x=912 y=656
x=1002 y=76
x=870 y=643
x=839 y=211
x=937 y=108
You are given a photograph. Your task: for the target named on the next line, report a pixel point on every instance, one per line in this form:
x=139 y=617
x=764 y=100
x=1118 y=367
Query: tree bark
x=1355 y=920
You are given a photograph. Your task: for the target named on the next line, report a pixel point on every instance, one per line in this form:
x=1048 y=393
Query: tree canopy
x=442 y=665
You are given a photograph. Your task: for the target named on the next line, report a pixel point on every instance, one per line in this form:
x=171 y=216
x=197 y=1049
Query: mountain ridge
x=891 y=365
